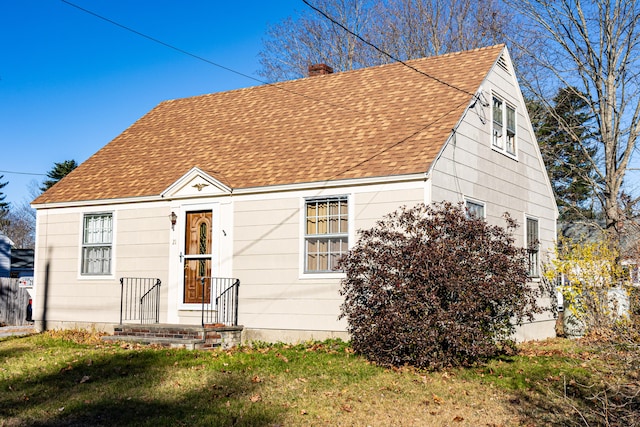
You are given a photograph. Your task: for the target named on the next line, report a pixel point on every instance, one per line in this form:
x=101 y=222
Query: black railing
x=222 y=304
x=139 y=299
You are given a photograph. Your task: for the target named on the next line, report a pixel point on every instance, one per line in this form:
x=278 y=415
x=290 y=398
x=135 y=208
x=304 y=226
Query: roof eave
x=281 y=188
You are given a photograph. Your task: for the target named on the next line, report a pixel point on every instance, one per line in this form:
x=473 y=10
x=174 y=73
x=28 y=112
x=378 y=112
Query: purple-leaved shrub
x=431 y=287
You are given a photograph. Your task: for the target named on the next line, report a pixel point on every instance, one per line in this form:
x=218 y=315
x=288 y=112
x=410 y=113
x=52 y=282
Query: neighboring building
x=21 y=262
x=5 y=255
x=270 y=184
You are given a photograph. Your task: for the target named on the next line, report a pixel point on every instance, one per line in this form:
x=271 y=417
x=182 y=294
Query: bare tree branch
x=592 y=45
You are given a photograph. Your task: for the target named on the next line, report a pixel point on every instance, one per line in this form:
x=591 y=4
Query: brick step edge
x=188 y=343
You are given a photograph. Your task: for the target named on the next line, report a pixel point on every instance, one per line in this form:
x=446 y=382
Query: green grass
x=73 y=378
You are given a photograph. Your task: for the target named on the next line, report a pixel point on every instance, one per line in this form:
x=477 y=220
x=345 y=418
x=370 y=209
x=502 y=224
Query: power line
x=177 y=49
x=401 y=141
x=200 y=58
x=161 y=42
x=321 y=12
x=23 y=173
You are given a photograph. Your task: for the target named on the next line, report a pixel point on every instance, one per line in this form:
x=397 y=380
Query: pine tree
x=59 y=171
x=565 y=136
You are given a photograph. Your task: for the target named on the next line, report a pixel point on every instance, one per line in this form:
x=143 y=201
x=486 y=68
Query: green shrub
x=430 y=287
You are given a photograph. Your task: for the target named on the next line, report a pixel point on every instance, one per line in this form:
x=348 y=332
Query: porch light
x=174 y=218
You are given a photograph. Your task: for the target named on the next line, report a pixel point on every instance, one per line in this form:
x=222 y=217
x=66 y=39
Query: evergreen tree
x=59 y=171
x=565 y=135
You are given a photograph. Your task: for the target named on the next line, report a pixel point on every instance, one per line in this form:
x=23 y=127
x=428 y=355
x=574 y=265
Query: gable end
x=195 y=183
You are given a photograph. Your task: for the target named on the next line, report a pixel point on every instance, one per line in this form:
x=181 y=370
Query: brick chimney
x=319 y=70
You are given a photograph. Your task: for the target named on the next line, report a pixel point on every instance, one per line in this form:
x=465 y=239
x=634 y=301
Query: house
x=595 y=273
x=21 y=263
x=5 y=255
x=268 y=185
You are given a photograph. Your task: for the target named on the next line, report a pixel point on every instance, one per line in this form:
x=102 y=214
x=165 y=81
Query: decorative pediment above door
x=195 y=183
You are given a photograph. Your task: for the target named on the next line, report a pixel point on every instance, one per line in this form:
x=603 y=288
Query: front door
x=197 y=256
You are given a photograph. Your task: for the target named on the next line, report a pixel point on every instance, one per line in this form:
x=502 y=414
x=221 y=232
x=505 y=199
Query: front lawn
x=73 y=378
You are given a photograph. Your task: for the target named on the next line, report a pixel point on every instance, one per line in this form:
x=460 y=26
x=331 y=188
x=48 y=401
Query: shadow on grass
x=568 y=392
x=137 y=388
x=13 y=351
x=545 y=390
x=590 y=403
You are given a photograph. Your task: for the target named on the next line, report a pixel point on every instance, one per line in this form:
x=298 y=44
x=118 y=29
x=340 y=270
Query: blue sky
x=70 y=82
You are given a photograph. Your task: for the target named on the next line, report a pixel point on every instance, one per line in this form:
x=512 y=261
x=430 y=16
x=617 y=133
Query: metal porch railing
x=223 y=305
x=139 y=299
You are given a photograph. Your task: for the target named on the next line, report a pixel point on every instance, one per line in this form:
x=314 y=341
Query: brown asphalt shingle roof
x=379 y=121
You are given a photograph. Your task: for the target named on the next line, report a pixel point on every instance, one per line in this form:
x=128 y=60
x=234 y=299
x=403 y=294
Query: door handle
x=180 y=256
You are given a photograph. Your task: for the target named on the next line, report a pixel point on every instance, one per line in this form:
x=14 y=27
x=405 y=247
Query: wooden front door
x=197 y=256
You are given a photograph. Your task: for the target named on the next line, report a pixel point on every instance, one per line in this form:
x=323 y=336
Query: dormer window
x=503 y=127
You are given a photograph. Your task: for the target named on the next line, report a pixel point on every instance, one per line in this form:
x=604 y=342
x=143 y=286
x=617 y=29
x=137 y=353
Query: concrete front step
x=189 y=344
x=191 y=337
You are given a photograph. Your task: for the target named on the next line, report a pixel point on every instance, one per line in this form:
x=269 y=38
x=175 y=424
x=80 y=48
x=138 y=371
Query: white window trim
x=503 y=146
x=468 y=200
x=114 y=230
x=303 y=274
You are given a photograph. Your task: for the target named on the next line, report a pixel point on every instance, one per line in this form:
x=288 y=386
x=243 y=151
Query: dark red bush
x=430 y=287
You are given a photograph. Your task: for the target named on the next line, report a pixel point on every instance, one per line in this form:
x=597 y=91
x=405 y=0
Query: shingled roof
x=380 y=121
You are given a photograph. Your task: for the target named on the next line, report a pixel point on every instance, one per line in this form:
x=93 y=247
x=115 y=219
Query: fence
x=139 y=299
x=223 y=307
x=13 y=303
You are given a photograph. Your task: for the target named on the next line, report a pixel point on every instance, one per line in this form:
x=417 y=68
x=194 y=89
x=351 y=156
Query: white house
x=269 y=185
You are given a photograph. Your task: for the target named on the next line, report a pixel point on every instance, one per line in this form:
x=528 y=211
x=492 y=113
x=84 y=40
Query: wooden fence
x=13 y=303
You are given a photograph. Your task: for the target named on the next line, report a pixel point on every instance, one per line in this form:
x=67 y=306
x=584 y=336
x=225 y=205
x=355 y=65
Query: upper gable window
x=503 y=127
x=97 y=241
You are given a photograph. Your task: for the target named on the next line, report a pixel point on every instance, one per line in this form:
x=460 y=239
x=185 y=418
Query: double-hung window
x=498 y=122
x=97 y=241
x=533 y=247
x=510 y=141
x=504 y=127
x=326 y=233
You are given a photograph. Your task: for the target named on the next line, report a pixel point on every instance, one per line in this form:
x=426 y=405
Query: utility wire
x=24 y=173
x=200 y=58
x=321 y=12
x=401 y=141
x=160 y=41
x=420 y=130
x=177 y=49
